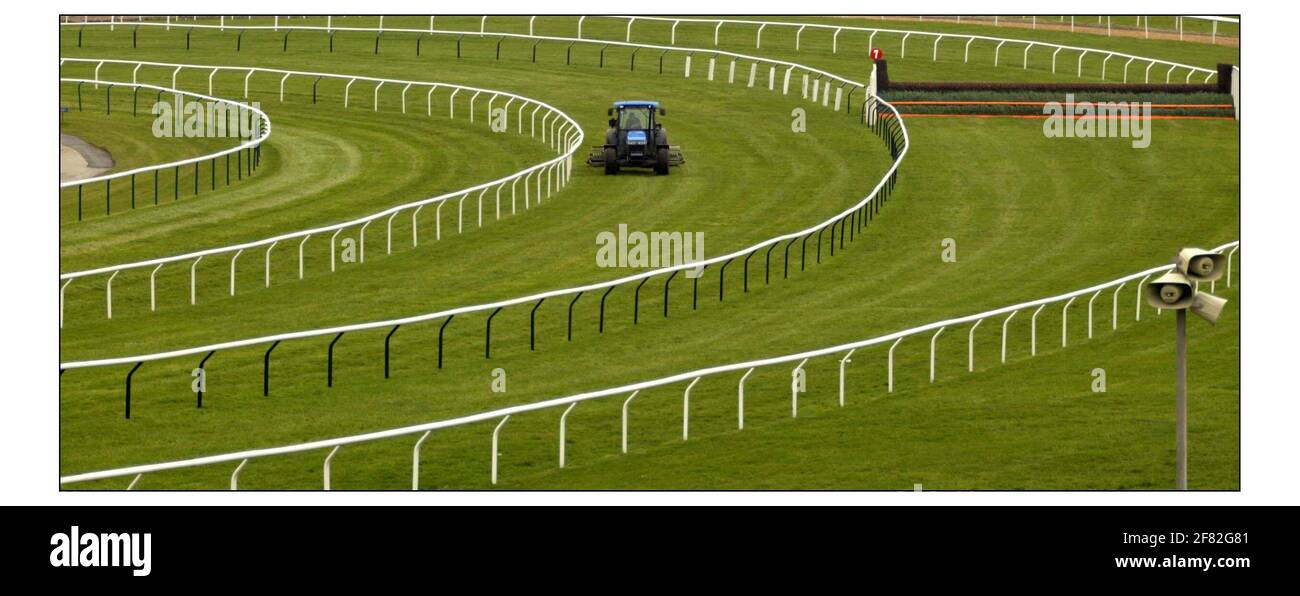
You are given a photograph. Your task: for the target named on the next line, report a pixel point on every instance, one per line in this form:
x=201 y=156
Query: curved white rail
x=832 y=221
x=937 y=37
x=694 y=376
x=565 y=135
x=264 y=130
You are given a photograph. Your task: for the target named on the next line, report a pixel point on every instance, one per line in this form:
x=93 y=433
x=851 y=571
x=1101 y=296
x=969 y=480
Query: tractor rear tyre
x=661 y=162
x=611 y=161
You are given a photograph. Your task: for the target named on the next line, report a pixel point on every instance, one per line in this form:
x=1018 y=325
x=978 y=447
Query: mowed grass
x=1032 y=217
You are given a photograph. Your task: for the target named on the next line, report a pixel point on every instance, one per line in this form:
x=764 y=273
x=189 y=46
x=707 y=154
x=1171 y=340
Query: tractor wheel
x=661 y=162
x=611 y=161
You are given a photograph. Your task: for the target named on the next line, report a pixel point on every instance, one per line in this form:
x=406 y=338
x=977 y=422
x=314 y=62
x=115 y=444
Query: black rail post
x=381 y=34
x=239 y=41
x=135 y=102
x=458 y=38
x=695 y=291
x=155 y=185
x=601 y=326
x=108 y=100
x=602 y=55
x=128 y=388
x=187 y=38
x=666 y=282
x=227 y=169
x=722 y=272
x=661 y=61
x=499 y=40
x=767 y=264
x=329 y=361
x=636 y=301
x=266 y=370
x=133 y=191
x=418 y=38
x=108 y=196
x=196 y=178
x=78 y=202
x=532 y=325
x=819 y=243
x=843 y=222
x=746 y=271
x=332 y=41
x=387 y=340
x=848 y=103
x=571 y=303
x=786 y=273
x=79 y=108
x=80 y=30
x=803 y=252
x=203 y=377
x=176 y=183
x=214 y=173
x=487 y=338
x=441 y=331
x=286 y=40
x=633 y=65
x=314 y=84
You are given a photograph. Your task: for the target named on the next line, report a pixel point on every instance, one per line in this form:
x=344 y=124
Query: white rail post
x=843 y=361
x=247 y=76
x=496 y=432
x=332 y=237
x=388 y=236
x=970 y=347
x=1004 y=334
x=193 y=280
x=1114 y=307
x=629 y=29
x=282 y=80
x=134 y=481
x=1033 y=331
x=153 y=305
x=891 y=364
x=415 y=226
x=715 y=33
x=932 y=351
x=627 y=402
x=108 y=293
x=1065 y=314
x=415 y=461
x=234 y=477
x=758 y=40
x=530 y=24
x=347 y=92
x=377 y=87
x=1137 y=316
x=935 y=50
x=672 y=40
x=902 y=51
x=966 y=56
x=1025 y=60
x=686 y=409
x=404 y=90
x=997 y=52
x=835 y=41
x=300 y=260
x=1094 y=297
x=794 y=388
x=1058 y=51
x=61 y=289
x=210 y=75
x=798 y=34
x=563 y=418
x=232 y=270
x=268 y=262
x=329 y=459
x=1130 y=61
x=361 y=242
x=580 y=20
x=740 y=400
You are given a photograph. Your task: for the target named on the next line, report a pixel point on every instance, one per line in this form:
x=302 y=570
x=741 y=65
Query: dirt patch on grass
x=79 y=160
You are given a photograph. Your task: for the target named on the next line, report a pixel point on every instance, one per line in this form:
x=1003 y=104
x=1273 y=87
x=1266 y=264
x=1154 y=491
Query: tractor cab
x=635 y=138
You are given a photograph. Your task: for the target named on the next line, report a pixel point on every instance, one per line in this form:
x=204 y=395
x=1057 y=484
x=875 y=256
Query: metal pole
x=1181 y=389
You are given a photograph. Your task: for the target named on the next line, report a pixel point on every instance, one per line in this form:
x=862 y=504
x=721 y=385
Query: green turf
x=1032 y=217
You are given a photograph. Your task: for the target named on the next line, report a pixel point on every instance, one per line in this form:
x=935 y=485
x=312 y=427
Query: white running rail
x=557 y=129
x=263 y=131
x=501 y=414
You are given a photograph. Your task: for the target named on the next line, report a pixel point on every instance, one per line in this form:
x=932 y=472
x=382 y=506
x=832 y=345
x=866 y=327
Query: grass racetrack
x=1031 y=217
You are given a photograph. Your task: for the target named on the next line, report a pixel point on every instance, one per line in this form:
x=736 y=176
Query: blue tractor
x=635 y=139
